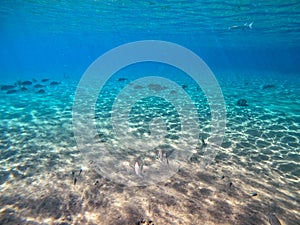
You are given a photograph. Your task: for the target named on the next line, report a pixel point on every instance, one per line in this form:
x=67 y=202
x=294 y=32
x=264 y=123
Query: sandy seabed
x=255 y=173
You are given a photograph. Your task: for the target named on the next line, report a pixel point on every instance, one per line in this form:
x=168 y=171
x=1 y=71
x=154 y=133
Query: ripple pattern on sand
x=260 y=154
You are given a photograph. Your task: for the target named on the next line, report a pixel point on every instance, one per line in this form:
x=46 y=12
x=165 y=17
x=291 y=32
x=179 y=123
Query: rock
x=145 y=222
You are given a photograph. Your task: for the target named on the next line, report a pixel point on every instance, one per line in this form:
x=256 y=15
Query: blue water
x=40 y=152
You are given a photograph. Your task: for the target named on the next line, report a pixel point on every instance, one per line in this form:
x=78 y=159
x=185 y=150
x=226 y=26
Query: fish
x=38 y=86
x=24 y=89
x=138 y=169
x=203 y=142
x=75 y=177
x=11 y=91
x=45 y=80
x=165 y=158
x=41 y=91
x=54 y=83
x=242 y=102
x=160 y=154
x=273 y=220
x=245 y=26
x=27 y=82
x=7 y=87
x=267 y=86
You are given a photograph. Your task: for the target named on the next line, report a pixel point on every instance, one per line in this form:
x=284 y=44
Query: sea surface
x=200 y=127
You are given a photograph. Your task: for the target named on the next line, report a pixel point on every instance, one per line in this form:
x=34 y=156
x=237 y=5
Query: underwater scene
x=122 y=112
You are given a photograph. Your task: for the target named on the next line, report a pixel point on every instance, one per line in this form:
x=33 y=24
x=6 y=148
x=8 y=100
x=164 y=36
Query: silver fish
x=273 y=220
x=241 y=27
x=138 y=169
x=165 y=158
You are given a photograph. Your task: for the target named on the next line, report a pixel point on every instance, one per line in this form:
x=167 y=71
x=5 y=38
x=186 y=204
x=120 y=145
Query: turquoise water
x=150 y=159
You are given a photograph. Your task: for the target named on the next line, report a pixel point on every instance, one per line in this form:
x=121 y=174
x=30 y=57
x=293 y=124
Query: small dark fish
x=122 y=79
x=184 y=86
x=38 y=86
x=7 y=87
x=242 y=102
x=11 y=91
x=18 y=83
x=253 y=194
x=27 y=82
x=222 y=177
x=42 y=91
x=24 y=89
x=156 y=87
x=267 y=86
x=54 y=83
x=273 y=220
x=203 y=142
x=45 y=80
x=137 y=87
x=75 y=176
x=230 y=184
